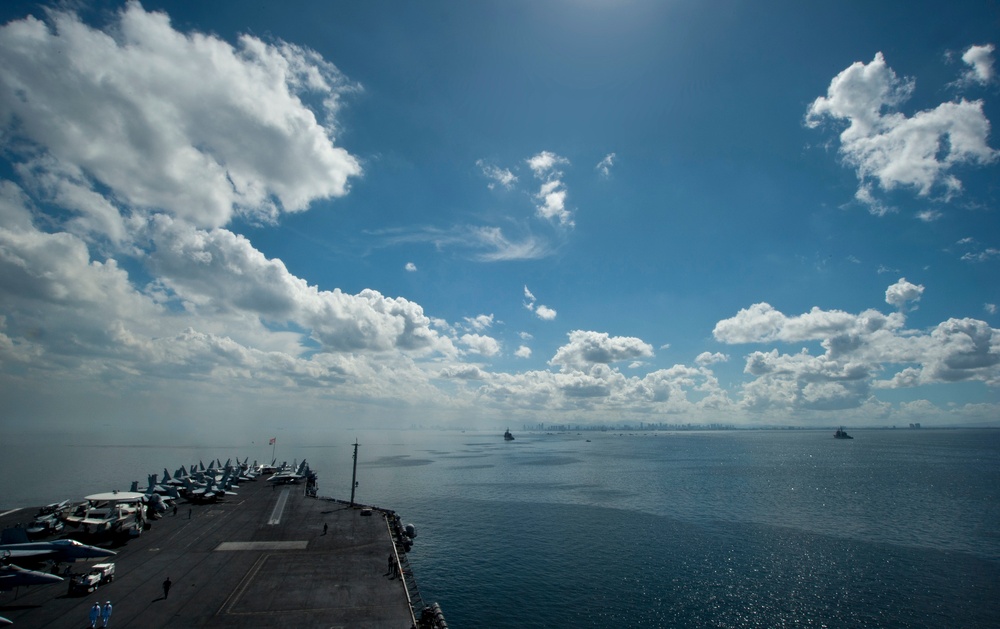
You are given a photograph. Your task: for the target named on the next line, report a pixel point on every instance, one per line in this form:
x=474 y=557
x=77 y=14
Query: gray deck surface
x=232 y=565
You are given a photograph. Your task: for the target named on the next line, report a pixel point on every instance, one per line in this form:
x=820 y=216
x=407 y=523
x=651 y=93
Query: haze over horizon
x=225 y=218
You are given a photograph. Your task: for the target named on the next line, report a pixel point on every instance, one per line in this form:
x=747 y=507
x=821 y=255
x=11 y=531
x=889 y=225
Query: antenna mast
x=354 y=474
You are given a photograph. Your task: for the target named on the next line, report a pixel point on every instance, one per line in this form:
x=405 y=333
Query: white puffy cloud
x=552 y=193
x=410 y=267
x=541 y=311
x=125 y=116
x=857 y=349
x=545 y=313
x=480 y=322
x=902 y=292
x=463 y=372
x=761 y=323
x=587 y=348
x=709 y=358
x=886 y=146
x=980 y=62
x=594 y=389
x=481 y=344
x=523 y=352
x=546 y=163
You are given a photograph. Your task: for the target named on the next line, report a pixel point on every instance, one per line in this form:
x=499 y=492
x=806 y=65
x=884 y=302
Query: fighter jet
x=287 y=475
x=12 y=576
x=58 y=551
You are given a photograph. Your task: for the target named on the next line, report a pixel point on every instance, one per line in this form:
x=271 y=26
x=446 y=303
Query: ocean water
x=896 y=528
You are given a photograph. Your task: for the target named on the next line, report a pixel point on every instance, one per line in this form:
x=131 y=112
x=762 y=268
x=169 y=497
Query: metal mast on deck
x=354 y=474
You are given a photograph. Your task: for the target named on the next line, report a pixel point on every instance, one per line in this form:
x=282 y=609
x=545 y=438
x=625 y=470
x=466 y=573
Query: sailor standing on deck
x=95 y=613
x=106 y=615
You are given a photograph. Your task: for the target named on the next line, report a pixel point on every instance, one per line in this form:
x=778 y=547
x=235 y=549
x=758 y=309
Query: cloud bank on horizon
x=130 y=278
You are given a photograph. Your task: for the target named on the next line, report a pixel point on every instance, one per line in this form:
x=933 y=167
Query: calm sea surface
x=896 y=528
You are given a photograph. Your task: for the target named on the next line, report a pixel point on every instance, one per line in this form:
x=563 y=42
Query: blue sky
x=475 y=214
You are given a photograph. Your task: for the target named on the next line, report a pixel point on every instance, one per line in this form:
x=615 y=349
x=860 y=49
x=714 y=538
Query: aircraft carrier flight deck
x=270 y=556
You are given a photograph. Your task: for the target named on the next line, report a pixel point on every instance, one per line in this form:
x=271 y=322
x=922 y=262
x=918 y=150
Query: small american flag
x=271 y=442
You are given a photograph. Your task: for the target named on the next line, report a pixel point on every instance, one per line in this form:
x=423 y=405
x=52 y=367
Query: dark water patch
x=577 y=566
x=399 y=460
x=550 y=460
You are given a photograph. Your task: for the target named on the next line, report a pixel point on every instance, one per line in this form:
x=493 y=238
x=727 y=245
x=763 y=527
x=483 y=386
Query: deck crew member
x=106 y=615
x=95 y=613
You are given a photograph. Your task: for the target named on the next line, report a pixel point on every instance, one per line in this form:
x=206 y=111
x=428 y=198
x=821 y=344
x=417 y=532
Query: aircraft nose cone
x=48 y=578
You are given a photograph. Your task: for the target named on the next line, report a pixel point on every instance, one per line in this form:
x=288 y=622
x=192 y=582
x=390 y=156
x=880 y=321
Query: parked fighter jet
x=289 y=475
x=58 y=551
x=157 y=498
x=12 y=576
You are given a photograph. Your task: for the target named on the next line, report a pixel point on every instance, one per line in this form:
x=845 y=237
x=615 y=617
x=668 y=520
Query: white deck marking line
x=292 y=545
x=279 y=507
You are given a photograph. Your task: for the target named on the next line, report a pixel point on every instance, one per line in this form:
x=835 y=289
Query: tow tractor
x=100 y=573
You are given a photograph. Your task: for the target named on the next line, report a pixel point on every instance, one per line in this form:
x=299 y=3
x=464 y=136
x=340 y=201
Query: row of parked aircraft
x=122 y=512
x=200 y=484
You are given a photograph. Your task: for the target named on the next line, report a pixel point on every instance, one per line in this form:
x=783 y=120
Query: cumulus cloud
x=980 y=62
x=708 y=358
x=117 y=263
x=586 y=348
x=857 y=348
x=552 y=194
x=545 y=313
x=902 y=292
x=463 y=372
x=682 y=391
x=523 y=352
x=125 y=117
x=888 y=148
x=480 y=322
x=541 y=311
x=410 y=267
x=481 y=344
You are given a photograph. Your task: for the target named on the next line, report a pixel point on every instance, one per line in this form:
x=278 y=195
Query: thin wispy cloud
x=605 y=165
x=479 y=243
x=502 y=177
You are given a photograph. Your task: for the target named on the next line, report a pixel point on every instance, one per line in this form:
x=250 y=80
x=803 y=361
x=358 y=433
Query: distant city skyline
x=225 y=218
